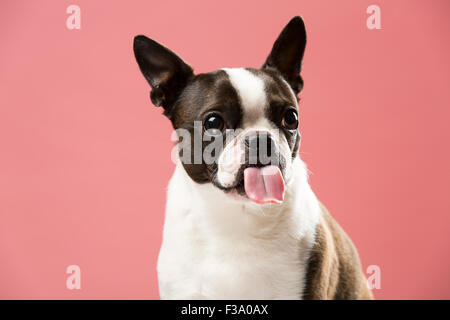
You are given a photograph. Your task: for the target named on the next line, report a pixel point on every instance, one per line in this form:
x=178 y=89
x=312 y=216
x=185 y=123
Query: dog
x=239 y=227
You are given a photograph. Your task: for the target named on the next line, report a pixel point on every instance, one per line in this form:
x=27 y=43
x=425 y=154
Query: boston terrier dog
x=241 y=219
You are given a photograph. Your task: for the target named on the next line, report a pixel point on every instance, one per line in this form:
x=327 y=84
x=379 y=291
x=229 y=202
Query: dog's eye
x=214 y=121
x=290 y=120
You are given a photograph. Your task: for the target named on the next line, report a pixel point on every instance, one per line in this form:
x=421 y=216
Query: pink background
x=85 y=157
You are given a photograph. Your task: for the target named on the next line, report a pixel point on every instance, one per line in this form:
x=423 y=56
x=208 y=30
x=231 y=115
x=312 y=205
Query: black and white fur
x=216 y=243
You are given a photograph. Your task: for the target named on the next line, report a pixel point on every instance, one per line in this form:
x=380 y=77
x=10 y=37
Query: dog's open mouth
x=260 y=184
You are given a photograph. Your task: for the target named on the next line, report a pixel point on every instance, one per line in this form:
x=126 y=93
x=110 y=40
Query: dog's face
x=237 y=128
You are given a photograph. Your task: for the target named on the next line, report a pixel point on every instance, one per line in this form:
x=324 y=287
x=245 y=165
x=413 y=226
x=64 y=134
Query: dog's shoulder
x=334 y=269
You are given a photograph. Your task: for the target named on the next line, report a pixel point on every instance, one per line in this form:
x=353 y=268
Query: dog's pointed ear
x=166 y=73
x=287 y=53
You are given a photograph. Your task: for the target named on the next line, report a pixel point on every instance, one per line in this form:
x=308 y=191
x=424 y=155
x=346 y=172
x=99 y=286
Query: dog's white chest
x=195 y=267
x=216 y=250
x=228 y=275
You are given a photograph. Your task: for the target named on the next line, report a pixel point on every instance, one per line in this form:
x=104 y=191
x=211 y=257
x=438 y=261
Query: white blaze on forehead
x=251 y=91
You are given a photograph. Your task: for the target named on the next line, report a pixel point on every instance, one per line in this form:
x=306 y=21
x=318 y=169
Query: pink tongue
x=263 y=185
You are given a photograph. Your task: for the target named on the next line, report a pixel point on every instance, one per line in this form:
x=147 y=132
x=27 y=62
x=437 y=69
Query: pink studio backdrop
x=85 y=157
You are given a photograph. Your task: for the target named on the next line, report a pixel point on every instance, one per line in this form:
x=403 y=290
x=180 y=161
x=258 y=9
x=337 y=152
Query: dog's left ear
x=287 y=53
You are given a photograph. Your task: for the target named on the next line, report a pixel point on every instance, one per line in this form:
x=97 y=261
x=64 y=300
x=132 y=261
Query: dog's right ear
x=166 y=73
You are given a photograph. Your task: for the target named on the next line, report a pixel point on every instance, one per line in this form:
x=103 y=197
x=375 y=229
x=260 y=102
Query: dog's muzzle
x=252 y=164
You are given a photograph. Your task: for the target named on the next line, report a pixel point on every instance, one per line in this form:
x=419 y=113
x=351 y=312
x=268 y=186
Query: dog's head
x=237 y=128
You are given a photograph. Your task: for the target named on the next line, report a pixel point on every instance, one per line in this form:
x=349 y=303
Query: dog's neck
x=218 y=211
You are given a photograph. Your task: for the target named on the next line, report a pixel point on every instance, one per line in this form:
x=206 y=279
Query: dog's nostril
x=268 y=143
x=251 y=141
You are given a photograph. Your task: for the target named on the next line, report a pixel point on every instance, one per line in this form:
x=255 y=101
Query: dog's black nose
x=261 y=148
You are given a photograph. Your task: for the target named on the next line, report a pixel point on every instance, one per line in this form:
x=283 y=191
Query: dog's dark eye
x=214 y=121
x=290 y=120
